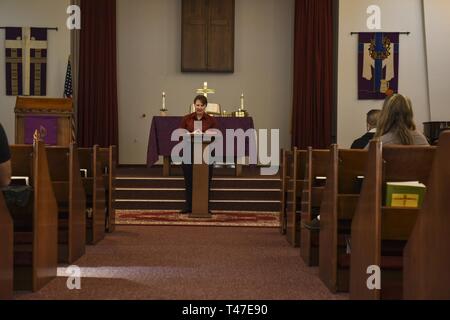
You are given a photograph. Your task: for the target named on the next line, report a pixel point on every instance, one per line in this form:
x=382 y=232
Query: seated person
x=396 y=123
x=436 y=142
x=372 y=119
x=208 y=122
x=5 y=159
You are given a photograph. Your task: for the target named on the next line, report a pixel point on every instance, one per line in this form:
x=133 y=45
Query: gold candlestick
x=242 y=108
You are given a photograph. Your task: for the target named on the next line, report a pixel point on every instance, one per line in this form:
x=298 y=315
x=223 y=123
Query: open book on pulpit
x=408 y=194
x=210 y=133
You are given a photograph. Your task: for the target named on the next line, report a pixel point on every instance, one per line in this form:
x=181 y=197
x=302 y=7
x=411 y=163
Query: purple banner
x=13 y=56
x=46 y=125
x=36 y=72
x=378 y=65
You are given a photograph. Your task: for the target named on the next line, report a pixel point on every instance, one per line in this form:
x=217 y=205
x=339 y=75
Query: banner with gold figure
x=26 y=61
x=378 y=65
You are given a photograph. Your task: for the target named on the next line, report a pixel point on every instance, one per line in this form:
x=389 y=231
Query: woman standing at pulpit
x=188 y=123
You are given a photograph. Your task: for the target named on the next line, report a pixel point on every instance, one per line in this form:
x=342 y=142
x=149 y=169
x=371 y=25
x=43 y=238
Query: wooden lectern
x=61 y=110
x=200 y=182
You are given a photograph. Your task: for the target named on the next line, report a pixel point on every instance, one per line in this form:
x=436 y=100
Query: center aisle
x=191 y=263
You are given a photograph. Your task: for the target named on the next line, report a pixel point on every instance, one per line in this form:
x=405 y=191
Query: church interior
x=320 y=139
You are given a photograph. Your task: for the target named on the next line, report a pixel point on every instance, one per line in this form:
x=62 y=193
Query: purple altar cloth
x=159 y=143
x=50 y=124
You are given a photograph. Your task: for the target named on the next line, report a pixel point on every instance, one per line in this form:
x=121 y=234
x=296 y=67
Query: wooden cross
x=26 y=44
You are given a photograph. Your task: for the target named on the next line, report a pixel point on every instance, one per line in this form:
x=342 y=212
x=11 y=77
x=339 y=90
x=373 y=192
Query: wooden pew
x=35 y=226
x=379 y=233
x=95 y=194
x=317 y=166
x=108 y=160
x=339 y=203
x=284 y=184
x=295 y=165
x=69 y=193
x=427 y=254
x=6 y=252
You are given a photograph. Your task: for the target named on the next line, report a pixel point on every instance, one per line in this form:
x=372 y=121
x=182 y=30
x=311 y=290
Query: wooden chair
x=95 y=194
x=108 y=160
x=6 y=252
x=316 y=171
x=69 y=193
x=339 y=203
x=378 y=232
x=35 y=226
x=295 y=166
x=426 y=256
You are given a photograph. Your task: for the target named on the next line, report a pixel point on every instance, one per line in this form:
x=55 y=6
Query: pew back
x=6 y=252
x=44 y=213
x=286 y=156
x=95 y=193
x=426 y=258
x=108 y=160
x=373 y=222
x=296 y=178
x=70 y=195
x=316 y=173
x=338 y=206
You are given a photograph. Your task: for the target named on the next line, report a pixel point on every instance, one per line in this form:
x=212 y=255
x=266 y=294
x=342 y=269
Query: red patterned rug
x=219 y=219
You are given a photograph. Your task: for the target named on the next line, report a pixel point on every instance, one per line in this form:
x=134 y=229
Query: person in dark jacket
x=5 y=159
x=372 y=119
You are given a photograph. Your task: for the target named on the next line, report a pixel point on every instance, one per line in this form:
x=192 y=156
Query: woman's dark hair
x=202 y=99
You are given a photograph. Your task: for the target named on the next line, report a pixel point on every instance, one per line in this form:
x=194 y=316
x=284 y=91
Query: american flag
x=68 y=90
x=68 y=93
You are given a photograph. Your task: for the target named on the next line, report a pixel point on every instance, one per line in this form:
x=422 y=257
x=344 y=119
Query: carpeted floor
x=193 y=263
x=221 y=219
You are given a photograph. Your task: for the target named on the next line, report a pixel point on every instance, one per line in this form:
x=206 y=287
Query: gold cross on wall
x=205 y=90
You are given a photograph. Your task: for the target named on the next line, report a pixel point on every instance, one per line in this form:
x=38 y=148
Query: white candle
x=242 y=101
x=205 y=84
x=164 y=101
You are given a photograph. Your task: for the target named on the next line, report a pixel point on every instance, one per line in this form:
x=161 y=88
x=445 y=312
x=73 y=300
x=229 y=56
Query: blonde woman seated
x=396 y=124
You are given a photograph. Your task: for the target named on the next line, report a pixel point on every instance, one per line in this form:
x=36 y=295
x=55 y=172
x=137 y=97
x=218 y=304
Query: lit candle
x=205 y=85
x=164 y=101
x=242 y=101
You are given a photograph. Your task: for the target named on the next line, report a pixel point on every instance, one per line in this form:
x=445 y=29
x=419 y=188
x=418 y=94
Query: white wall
x=437 y=27
x=32 y=13
x=149 y=49
x=398 y=15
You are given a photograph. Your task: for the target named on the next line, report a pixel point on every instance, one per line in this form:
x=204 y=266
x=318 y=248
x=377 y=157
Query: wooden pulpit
x=200 y=181
x=53 y=116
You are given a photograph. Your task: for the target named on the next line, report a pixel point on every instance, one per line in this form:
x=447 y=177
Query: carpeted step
x=216 y=205
x=217 y=183
x=142 y=182
x=179 y=194
x=136 y=194
x=175 y=170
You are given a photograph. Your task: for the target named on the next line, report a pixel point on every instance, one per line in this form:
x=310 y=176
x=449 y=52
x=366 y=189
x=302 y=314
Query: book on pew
x=405 y=194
